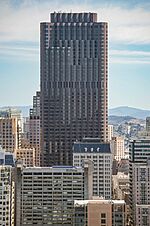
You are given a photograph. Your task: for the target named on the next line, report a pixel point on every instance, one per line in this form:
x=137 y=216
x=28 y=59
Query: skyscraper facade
x=73 y=57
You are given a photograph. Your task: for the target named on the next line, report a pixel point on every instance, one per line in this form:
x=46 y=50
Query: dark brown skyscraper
x=73 y=83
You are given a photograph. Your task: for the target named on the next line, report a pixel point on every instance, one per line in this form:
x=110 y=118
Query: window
x=103 y=215
x=103 y=221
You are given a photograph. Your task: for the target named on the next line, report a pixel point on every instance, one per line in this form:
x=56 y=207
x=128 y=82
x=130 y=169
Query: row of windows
x=82 y=85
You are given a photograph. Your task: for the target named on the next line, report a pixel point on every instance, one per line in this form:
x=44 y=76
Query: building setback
x=73 y=62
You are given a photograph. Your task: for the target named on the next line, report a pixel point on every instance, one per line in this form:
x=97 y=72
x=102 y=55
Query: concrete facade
x=119 y=149
x=45 y=195
x=101 y=156
x=9 y=133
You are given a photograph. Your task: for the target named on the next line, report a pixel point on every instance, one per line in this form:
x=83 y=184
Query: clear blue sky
x=129 y=47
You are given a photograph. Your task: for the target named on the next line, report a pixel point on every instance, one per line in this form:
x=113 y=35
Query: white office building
x=100 y=154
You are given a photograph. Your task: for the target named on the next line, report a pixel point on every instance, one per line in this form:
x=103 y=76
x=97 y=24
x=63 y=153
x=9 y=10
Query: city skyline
x=129 y=44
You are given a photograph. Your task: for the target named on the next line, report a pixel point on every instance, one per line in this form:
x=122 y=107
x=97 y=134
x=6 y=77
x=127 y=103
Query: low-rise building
x=9 y=133
x=99 y=212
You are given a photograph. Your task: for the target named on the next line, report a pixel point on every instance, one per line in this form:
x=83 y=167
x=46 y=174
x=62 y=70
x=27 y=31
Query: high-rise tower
x=74 y=73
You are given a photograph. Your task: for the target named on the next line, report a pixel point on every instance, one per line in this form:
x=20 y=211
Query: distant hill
x=115 y=120
x=23 y=109
x=129 y=111
x=118 y=111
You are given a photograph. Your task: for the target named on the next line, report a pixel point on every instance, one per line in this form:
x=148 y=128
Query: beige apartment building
x=27 y=155
x=9 y=133
x=118 y=144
